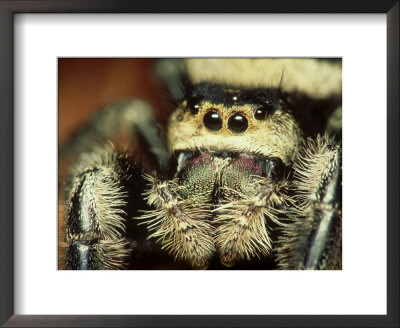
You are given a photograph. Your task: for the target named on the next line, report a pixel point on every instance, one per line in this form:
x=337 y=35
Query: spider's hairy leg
x=313 y=239
x=180 y=225
x=96 y=199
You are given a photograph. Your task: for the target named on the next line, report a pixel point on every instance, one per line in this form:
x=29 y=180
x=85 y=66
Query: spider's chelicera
x=236 y=182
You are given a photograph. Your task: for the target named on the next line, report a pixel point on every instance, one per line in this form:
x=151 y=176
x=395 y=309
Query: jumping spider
x=237 y=183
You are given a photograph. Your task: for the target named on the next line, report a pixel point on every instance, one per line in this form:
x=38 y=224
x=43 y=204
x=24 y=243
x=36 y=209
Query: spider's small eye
x=237 y=123
x=212 y=121
x=260 y=113
x=193 y=104
x=194 y=109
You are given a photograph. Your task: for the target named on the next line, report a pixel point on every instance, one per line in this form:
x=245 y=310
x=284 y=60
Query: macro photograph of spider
x=200 y=163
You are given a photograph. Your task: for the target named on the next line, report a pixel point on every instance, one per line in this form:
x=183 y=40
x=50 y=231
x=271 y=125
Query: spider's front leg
x=96 y=206
x=105 y=188
x=313 y=240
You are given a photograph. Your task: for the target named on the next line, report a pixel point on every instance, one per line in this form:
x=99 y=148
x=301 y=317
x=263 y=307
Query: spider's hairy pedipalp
x=180 y=225
x=242 y=227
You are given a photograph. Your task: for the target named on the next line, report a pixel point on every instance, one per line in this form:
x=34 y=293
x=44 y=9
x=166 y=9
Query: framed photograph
x=190 y=88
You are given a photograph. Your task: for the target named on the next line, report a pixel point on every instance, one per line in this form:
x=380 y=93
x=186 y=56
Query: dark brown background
x=85 y=85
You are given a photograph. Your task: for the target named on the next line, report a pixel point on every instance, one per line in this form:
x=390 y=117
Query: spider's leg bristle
x=180 y=225
x=313 y=238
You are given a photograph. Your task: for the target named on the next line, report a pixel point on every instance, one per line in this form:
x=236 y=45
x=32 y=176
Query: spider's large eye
x=237 y=123
x=212 y=121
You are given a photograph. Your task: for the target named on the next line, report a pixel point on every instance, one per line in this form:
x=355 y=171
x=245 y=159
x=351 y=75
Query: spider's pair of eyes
x=237 y=123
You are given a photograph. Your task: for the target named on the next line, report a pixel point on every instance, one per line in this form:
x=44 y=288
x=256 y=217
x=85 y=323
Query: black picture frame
x=7 y=11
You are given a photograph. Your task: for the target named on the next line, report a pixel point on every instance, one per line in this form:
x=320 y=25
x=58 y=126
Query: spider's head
x=245 y=121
